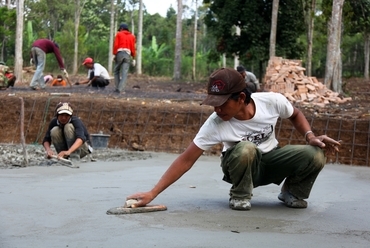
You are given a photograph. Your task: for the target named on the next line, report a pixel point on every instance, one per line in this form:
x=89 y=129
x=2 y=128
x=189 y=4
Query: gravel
x=12 y=156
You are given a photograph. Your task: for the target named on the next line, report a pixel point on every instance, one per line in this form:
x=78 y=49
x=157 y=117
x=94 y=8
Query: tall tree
x=236 y=56
x=178 y=47
x=333 y=67
x=309 y=9
x=79 y=5
x=18 y=63
x=195 y=41
x=111 y=36
x=274 y=20
x=139 y=40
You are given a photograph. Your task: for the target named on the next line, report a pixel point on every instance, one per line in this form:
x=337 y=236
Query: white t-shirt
x=250 y=77
x=99 y=71
x=260 y=129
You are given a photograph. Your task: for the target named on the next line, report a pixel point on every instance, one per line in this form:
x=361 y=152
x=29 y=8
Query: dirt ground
x=153 y=88
x=155 y=93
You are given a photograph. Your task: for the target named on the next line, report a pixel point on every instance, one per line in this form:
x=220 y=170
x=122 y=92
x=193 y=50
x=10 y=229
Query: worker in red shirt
x=38 y=57
x=123 y=50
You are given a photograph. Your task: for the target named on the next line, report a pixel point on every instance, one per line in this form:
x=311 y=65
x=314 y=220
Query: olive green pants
x=63 y=139
x=245 y=167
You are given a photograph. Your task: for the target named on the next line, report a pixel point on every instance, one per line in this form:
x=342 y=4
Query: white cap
x=64 y=108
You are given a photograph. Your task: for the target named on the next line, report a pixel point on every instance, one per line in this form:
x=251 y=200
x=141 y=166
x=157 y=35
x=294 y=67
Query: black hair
x=240 y=68
x=246 y=91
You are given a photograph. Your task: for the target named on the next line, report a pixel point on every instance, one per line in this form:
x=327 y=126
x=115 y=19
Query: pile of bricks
x=287 y=77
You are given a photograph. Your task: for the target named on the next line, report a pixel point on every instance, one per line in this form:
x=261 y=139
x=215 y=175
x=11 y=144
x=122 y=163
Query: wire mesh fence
x=170 y=128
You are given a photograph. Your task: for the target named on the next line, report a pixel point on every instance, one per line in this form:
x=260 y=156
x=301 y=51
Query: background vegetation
x=216 y=20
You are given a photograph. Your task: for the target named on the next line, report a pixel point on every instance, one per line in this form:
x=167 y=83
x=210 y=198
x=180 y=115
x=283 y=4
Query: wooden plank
x=146 y=209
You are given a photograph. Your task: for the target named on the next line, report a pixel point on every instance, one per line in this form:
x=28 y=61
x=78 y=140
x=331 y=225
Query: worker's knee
x=316 y=155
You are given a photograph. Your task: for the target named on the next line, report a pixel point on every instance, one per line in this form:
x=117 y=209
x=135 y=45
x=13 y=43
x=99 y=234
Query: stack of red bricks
x=287 y=77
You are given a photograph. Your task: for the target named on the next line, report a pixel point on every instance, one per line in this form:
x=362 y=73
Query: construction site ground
x=44 y=204
x=160 y=115
x=57 y=206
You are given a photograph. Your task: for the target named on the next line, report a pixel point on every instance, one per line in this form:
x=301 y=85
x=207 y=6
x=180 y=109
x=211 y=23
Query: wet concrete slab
x=57 y=206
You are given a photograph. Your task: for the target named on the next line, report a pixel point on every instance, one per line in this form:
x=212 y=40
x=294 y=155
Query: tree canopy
x=216 y=33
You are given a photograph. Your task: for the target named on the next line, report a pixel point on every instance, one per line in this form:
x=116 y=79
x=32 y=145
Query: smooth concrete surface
x=58 y=206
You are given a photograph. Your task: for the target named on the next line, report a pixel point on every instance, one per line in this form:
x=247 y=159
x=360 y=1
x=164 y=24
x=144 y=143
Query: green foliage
x=353 y=55
x=48 y=16
x=7 y=34
x=358 y=16
x=217 y=19
x=155 y=61
x=254 y=20
x=30 y=36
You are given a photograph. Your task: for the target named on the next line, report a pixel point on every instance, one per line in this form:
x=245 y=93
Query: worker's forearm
x=75 y=145
x=173 y=173
x=46 y=145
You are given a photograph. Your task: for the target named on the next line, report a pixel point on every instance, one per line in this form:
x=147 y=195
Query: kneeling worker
x=68 y=134
x=97 y=75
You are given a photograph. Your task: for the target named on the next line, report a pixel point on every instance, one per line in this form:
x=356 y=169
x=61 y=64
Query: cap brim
x=65 y=112
x=215 y=100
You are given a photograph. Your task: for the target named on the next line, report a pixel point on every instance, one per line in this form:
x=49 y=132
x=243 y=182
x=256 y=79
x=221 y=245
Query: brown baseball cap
x=222 y=84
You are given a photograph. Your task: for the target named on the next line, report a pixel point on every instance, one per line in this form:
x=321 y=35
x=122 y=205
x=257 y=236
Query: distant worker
x=250 y=79
x=97 y=75
x=7 y=78
x=59 y=81
x=48 y=78
x=38 y=57
x=123 y=50
x=68 y=135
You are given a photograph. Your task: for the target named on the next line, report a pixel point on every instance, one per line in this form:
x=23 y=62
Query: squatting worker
x=7 y=78
x=250 y=79
x=97 y=75
x=59 y=81
x=251 y=156
x=123 y=50
x=38 y=57
x=68 y=134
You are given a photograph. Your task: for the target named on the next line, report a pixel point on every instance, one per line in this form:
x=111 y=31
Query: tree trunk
x=367 y=54
x=178 y=46
x=111 y=37
x=18 y=63
x=78 y=11
x=195 y=41
x=333 y=68
x=139 y=41
x=77 y=24
x=274 y=17
x=310 y=18
x=236 y=57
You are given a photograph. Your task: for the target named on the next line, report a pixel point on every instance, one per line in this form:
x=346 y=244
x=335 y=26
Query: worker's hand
x=49 y=153
x=64 y=72
x=63 y=154
x=133 y=62
x=325 y=142
x=31 y=62
x=114 y=58
x=142 y=198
